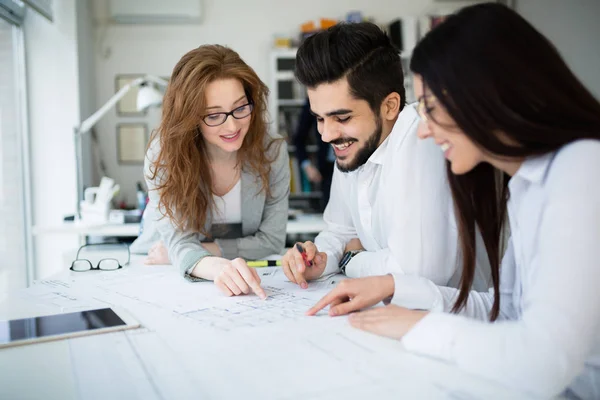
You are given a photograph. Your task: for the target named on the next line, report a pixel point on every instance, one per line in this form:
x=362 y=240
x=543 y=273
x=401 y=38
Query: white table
x=78 y=228
x=196 y=343
x=304 y=223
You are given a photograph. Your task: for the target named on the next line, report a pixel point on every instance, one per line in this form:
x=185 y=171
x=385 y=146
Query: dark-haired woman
x=521 y=135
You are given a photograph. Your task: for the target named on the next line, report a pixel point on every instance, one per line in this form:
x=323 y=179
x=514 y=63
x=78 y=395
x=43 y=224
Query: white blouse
x=228 y=209
x=547 y=337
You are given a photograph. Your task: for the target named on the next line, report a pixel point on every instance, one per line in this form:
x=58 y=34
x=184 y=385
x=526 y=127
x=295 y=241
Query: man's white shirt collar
x=400 y=129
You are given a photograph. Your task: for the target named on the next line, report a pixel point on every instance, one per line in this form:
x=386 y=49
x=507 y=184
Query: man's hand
x=354 y=244
x=232 y=277
x=297 y=271
x=355 y=294
x=312 y=173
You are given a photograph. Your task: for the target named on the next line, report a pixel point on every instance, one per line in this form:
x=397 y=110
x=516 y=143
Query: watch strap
x=346 y=259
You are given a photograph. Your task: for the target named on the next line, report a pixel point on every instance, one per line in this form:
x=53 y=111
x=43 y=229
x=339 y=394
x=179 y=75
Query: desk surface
x=304 y=223
x=127 y=230
x=196 y=343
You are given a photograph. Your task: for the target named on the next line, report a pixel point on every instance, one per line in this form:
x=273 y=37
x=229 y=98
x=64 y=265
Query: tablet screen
x=31 y=328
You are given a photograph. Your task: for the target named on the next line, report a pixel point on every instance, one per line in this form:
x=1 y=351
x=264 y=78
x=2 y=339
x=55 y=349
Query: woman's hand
x=232 y=277
x=213 y=248
x=157 y=254
x=355 y=294
x=390 y=321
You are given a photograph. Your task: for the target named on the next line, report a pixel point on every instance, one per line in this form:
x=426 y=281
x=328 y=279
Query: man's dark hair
x=362 y=52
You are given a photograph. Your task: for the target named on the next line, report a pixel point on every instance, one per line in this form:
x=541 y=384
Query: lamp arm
x=95 y=117
x=155 y=79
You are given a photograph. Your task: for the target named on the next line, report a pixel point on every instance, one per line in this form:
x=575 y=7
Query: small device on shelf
x=95 y=207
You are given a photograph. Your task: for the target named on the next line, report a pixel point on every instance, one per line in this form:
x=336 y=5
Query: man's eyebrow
x=341 y=111
x=213 y=107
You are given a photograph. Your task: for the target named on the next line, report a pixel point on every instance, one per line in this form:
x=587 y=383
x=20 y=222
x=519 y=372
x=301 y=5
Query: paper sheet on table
x=204 y=306
x=58 y=297
x=198 y=343
x=164 y=297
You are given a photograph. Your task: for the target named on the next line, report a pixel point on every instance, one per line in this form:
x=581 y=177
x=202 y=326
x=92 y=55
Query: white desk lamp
x=148 y=96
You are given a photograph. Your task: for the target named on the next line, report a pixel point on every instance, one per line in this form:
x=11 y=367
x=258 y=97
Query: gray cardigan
x=263 y=219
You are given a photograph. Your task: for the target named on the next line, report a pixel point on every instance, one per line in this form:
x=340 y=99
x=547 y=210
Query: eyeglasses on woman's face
x=423 y=107
x=216 y=119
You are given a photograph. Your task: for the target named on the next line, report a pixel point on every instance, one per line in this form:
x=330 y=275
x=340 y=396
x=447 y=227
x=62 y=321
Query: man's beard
x=363 y=154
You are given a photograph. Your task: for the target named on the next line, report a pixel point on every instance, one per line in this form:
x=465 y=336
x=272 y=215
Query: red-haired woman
x=218 y=183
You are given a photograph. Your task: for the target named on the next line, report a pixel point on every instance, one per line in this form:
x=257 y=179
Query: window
x=13 y=220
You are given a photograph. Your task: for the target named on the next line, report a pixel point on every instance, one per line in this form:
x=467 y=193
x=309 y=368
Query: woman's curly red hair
x=182 y=164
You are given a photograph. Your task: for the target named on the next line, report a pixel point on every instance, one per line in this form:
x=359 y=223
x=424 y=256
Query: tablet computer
x=62 y=326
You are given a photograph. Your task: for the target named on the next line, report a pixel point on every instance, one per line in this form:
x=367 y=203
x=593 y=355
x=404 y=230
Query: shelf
x=285 y=76
x=291 y=102
x=282 y=52
x=306 y=223
x=311 y=148
x=306 y=195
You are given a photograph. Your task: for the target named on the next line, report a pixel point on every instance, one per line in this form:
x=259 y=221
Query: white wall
x=53 y=105
x=574 y=29
x=246 y=26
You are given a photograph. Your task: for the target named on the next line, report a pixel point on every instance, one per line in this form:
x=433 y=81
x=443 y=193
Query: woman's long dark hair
x=495 y=73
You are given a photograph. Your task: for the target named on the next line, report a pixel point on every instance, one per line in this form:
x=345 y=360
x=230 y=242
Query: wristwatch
x=346 y=259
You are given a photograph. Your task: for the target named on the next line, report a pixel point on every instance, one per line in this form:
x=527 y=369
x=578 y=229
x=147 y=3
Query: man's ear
x=390 y=107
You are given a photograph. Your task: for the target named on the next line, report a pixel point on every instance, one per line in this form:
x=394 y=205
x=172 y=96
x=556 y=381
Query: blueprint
x=253 y=312
x=165 y=295
x=196 y=343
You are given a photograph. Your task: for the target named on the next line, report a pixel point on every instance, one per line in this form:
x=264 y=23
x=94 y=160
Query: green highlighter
x=264 y=263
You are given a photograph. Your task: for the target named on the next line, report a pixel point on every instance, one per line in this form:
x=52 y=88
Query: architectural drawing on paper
x=253 y=312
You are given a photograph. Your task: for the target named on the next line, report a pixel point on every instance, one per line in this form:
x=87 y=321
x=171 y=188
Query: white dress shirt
x=399 y=205
x=547 y=337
